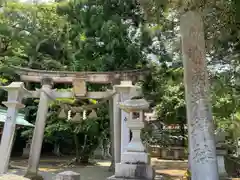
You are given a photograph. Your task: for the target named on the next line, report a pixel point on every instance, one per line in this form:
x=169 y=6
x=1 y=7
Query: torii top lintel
x=33 y=75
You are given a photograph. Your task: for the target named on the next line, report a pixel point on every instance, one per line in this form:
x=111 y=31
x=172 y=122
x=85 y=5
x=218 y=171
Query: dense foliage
x=76 y=36
x=107 y=35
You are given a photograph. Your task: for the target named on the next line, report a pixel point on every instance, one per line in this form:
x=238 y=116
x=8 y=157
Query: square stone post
x=16 y=92
x=202 y=148
x=36 y=145
x=134 y=161
x=130 y=90
x=126 y=91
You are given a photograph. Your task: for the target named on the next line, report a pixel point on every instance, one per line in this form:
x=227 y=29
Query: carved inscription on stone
x=201 y=131
x=201 y=124
x=201 y=116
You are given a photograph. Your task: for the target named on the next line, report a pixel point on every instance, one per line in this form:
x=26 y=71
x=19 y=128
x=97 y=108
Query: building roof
x=19 y=121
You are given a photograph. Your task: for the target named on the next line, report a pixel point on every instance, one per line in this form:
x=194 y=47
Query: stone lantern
x=135 y=162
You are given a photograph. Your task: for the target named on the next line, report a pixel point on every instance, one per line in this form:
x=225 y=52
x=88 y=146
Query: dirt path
x=48 y=169
x=174 y=170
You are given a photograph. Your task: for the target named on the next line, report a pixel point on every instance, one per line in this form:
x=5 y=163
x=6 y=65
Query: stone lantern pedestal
x=221 y=153
x=135 y=162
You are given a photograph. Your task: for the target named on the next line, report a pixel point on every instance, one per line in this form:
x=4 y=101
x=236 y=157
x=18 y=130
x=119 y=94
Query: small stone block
x=68 y=175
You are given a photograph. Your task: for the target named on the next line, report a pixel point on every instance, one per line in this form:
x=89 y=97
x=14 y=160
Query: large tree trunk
x=203 y=160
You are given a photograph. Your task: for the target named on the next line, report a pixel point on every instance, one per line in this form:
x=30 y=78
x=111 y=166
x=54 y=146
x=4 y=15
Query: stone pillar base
x=135 y=158
x=221 y=163
x=133 y=172
x=33 y=176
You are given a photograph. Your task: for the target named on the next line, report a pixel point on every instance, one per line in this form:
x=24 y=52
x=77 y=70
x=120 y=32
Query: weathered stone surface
x=203 y=160
x=12 y=177
x=133 y=157
x=134 y=105
x=79 y=86
x=33 y=75
x=117 y=129
x=221 y=166
x=221 y=163
x=125 y=131
x=68 y=175
x=16 y=92
x=38 y=134
x=132 y=171
x=134 y=161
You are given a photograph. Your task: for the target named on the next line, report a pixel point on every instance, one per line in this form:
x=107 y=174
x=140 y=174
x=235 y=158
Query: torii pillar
x=36 y=146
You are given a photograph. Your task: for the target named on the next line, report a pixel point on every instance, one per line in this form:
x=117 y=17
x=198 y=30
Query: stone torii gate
x=202 y=148
x=120 y=93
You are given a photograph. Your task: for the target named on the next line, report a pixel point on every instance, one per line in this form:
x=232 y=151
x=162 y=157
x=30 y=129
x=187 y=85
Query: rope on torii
x=76 y=109
x=83 y=108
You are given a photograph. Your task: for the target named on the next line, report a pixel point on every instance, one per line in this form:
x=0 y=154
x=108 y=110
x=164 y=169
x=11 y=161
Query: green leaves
x=102 y=40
